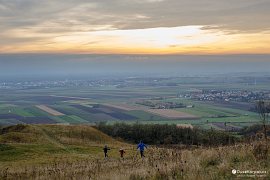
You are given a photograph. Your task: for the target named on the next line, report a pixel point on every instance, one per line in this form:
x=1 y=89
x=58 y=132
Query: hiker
x=141 y=146
x=122 y=152
x=105 y=150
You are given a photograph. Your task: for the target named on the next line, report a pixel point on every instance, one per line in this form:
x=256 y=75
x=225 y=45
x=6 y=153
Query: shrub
x=260 y=150
x=166 y=134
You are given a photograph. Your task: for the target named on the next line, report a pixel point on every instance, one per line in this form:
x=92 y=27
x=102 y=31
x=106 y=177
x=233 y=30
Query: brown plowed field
x=49 y=110
x=172 y=114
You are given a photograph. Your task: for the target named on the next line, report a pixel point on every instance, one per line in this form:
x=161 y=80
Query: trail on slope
x=52 y=139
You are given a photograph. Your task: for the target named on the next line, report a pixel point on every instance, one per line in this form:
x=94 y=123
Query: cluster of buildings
x=228 y=95
x=57 y=83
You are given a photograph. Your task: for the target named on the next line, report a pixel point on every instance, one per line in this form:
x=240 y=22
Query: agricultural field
x=172 y=114
x=91 y=105
x=49 y=110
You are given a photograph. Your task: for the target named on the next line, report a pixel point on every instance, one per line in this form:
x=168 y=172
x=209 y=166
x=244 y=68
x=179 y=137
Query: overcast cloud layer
x=53 y=18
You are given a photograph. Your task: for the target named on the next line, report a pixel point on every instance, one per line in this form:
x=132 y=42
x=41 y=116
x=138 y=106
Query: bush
x=166 y=134
x=16 y=128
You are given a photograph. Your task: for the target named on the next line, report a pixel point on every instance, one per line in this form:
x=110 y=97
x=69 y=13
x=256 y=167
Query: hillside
x=39 y=144
x=54 y=134
x=59 y=151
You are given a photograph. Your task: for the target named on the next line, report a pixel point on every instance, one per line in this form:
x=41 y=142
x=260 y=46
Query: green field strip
x=88 y=117
x=36 y=112
x=22 y=112
x=192 y=122
x=58 y=119
x=142 y=115
x=232 y=119
x=210 y=109
x=77 y=118
x=6 y=105
x=10 y=121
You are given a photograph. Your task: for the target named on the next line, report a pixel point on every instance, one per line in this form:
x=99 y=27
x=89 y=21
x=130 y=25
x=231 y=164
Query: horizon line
x=136 y=54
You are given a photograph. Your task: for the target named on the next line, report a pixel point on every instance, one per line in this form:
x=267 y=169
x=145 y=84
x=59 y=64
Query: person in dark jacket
x=122 y=152
x=105 y=150
x=141 y=147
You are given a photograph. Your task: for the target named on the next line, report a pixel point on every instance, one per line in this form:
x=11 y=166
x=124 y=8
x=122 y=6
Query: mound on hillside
x=45 y=144
x=62 y=134
x=37 y=144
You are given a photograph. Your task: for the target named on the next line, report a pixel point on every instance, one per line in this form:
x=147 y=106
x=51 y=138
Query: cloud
x=47 y=19
x=243 y=15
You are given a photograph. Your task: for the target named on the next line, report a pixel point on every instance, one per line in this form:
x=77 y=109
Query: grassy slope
x=57 y=151
x=37 y=143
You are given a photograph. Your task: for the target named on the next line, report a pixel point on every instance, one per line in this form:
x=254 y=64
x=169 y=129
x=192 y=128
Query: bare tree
x=263 y=109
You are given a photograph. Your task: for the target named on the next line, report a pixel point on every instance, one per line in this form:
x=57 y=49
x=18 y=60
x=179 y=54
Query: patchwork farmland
x=111 y=104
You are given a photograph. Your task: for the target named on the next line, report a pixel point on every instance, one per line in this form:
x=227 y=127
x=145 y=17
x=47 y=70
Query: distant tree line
x=166 y=134
x=161 y=105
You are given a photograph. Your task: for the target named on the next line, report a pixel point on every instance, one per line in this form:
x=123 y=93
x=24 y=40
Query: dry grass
x=76 y=153
x=216 y=163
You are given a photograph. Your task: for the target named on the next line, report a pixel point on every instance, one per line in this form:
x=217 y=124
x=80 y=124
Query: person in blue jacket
x=141 y=147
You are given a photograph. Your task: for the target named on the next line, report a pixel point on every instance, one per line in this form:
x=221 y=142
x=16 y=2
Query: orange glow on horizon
x=171 y=40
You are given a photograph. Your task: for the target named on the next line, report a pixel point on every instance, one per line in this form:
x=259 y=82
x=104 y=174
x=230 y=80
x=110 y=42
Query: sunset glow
x=187 y=39
x=120 y=32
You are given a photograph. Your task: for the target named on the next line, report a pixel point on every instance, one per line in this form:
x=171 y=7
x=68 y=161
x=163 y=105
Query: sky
x=135 y=26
